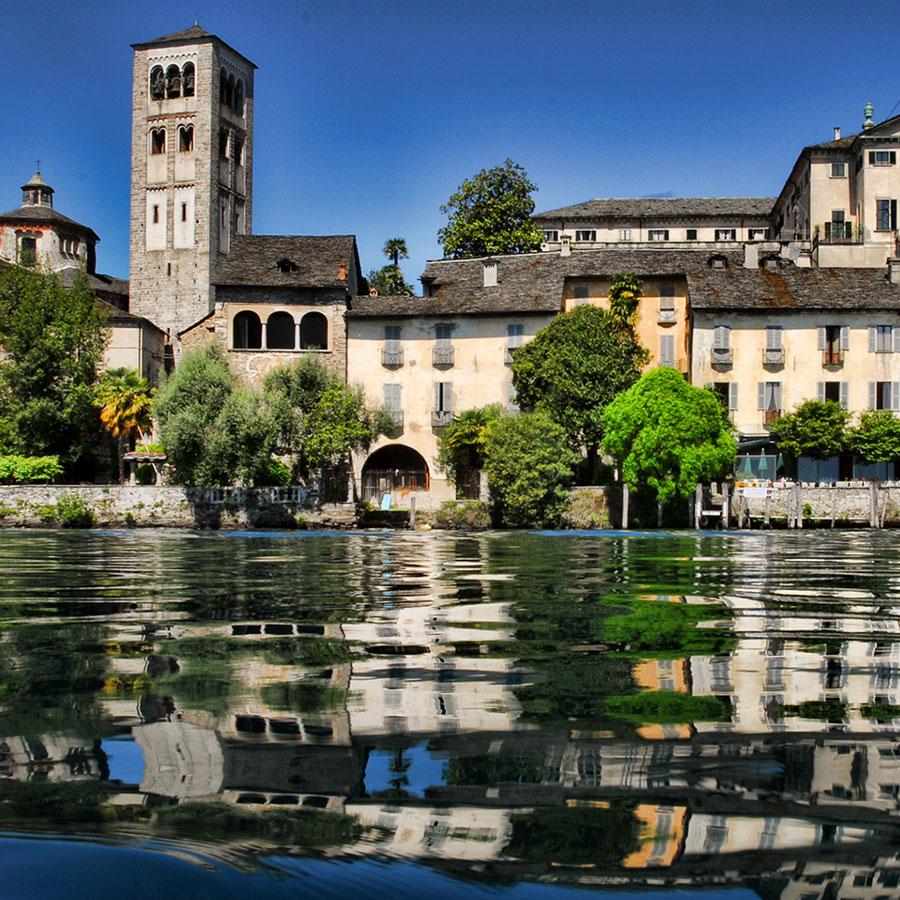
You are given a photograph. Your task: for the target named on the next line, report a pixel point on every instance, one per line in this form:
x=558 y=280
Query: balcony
x=666 y=317
x=773 y=357
x=722 y=356
x=392 y=357
x=442 y=357
x=770 y=416
x=832 y=357
x=838 y=233
x=441 y=418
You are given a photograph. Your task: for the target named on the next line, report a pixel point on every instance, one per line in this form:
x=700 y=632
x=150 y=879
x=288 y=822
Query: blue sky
x=368 y=115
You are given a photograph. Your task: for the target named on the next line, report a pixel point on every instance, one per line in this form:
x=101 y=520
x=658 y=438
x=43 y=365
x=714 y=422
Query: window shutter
x=776 y=394
x=893 y=157
x=895 y=339
x=733 y=395
x=667 y=349
x=761 y=396
x=773 y=337
x=872 y=389
x=872 y=337
x=821 y=391
x=843 y=394
x=845 y=337
x=895 y=396
x=720 y=337
x=821 y=337
x=871 y=157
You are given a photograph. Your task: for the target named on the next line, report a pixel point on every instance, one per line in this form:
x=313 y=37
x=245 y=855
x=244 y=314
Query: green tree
x=125 y=402
x=53 y=340
x=318 y=419
x=395 y=250
x=625 y=292
x=490 y=213
x=529 y=468
x=463 y=443
x=389 y=282
x=667 y=435
x=816 y=428
x=877 y=436
x=574 y=368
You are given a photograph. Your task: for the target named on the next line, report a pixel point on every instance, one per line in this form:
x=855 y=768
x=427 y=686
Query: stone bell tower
x=191 y=171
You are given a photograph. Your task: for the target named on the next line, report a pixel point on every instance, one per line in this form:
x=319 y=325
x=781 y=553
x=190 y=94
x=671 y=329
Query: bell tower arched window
x=173 y=82
x=186 y=138
x=187 y=80
x=157 y=141
x=157 y=83
x=239 y=97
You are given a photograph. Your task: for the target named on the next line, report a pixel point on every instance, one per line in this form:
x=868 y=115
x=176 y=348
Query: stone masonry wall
x=174 y=507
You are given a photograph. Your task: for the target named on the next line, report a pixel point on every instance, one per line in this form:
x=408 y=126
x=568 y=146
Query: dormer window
x=285 y=266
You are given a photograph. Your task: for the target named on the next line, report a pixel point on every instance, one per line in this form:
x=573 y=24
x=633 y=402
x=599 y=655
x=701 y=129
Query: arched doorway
x=395 y=469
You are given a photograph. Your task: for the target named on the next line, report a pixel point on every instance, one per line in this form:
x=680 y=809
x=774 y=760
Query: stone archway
x=394 y=469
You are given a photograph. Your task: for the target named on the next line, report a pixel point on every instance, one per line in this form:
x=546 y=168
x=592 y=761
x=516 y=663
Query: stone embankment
x=168 y=506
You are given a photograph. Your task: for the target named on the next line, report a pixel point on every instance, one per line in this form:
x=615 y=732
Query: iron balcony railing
x=832 y=357
x=441 y=418
x=392 y=357
x=838 y=233
x=773 y=357
x=442 y=357
x=722 y=356
x=771 y=415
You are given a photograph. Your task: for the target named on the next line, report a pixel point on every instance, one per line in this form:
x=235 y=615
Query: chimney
x=565 y=245
x=893 y=265
x=869 y=122
x=751 y=256
x=342 y=271
x=837 y=132
x=489 y=270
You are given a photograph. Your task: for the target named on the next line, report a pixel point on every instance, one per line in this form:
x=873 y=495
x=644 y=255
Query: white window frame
x=658 y=234
x=586 y=235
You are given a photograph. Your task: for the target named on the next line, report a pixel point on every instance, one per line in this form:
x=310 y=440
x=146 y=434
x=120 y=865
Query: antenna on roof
x=38 y=165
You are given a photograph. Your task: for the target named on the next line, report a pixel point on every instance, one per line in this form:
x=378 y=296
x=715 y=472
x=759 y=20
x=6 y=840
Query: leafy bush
x=667 y=707
x=273 y=473
x=817 y=428
x=463 y=514
x=29 y=469
x=877 y=436
x=587 y=508
x=145 y=474
x=73 y=512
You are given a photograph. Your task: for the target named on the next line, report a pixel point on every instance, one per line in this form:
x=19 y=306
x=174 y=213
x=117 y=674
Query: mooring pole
x=412 y=511
x=624 y=505
x=726 y=504
x=873 y=505
x=698 y=505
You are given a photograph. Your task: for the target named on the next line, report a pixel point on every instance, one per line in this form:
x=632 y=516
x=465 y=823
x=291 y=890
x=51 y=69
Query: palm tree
x=625 y=293
x=395 y=250
x=124 y=400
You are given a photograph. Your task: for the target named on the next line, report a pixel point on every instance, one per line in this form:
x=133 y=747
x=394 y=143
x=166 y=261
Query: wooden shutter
x=872 y=394
x=895 y=396
x=667 y=349
x=733 y=395
x=392 y=396
x=776 y=394
x=895 y=339
x=845 y=337
x=821 y=391
x=821 y=337
x=761 y=395
x=843 y=394
x=873 y=332
x=721 y=337
x=773 y=337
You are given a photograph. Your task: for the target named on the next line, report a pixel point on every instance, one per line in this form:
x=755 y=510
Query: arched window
x=239 y=97
x=238 y=153
x=187 y=79
x=246 y=331
x=223 y=85
x=314 y=332
x=280 y=331
x=157 y=83
x=173 y=82
x=223 y=143
x=186 y=138
x=158 y=141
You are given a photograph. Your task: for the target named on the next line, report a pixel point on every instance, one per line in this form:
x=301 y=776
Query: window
x=587 y=234
x=691 y=234
x=769 y=399
x=27 y=251
x=881 y=338
x=187 y=80
x=658 y=234
x=184 y=212
x=393 y=403
x=774 y=352
x=314 y=332
x=667 y=350
x=515 y=337
x=884 y=395
x=156 y=214
x=624 y=234
x=238 y=106
x=838 y=170
x=246 y=331
x=443 y=403
x=885 y=215
x=581 y=291
x=157 y=83
x=280 y=331
x=666 y=303
x=758 y=234
x=726 y=234
x=835 y=391
x=223 y=143
x=186 y=138
x=882 y=157
x=442 y=355
x=551 y=236
x=392 y=354
x=158 y=141
x=833 y=341
x=173 y=82
x=721 y=339
x=238 y=153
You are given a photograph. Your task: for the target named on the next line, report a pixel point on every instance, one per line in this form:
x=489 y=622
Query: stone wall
x=846 y=503
x=135 y=506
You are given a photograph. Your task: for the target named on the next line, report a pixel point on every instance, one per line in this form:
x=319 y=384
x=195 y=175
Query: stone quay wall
x=844 y=503
x=169 y=506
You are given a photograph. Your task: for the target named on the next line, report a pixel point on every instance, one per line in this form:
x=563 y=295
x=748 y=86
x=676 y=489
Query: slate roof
x=663 y=207
x=101 y=284
x=253 y=260
x=526 y=283
x=45 y=215
x=792 y=288
x=195 y=34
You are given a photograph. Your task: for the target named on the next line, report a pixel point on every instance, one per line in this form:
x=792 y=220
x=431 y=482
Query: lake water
x=489 y=715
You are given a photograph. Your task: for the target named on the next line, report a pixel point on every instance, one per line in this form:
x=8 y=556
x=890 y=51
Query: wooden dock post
x=726 y=504
x=873 y=505
x=624 y=505
x=798 y=506
x=412 y=511
x=767 y=513
x=698 y=505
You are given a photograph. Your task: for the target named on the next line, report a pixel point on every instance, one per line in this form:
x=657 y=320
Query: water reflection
x=687 y=710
